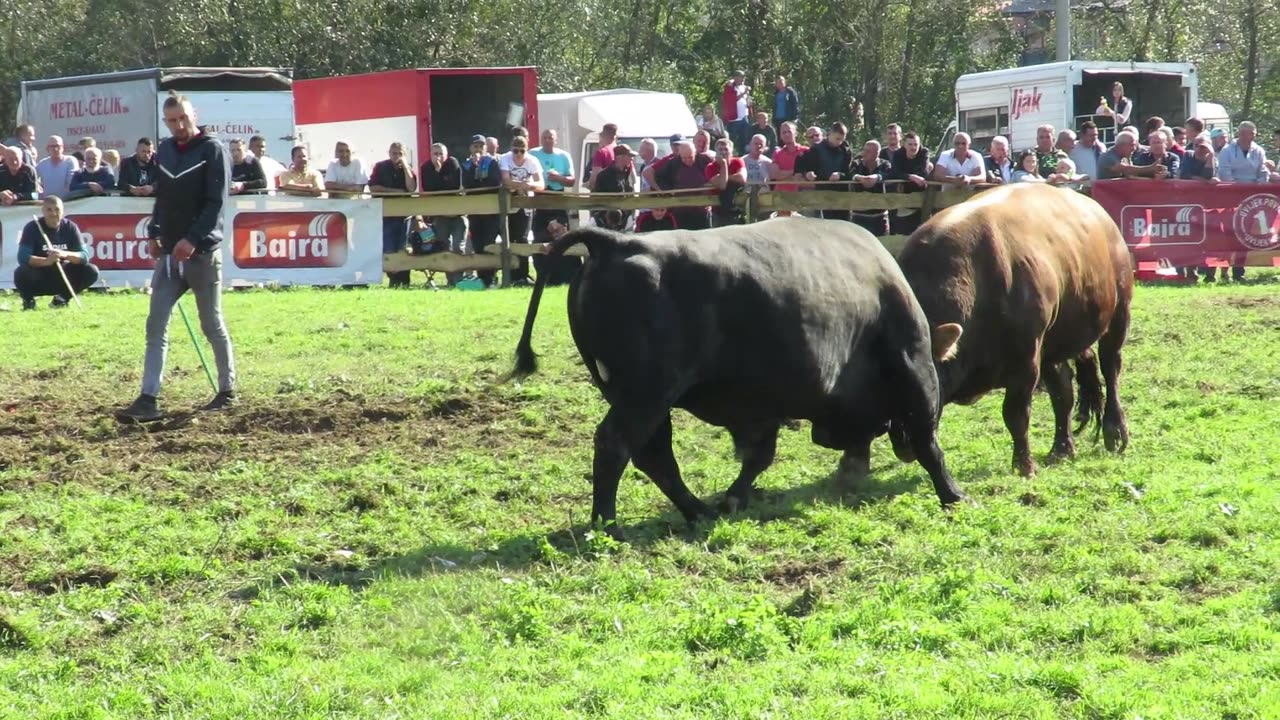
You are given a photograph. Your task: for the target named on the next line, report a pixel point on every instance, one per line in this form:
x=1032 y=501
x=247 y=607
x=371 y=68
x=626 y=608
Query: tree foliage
x=897 y=58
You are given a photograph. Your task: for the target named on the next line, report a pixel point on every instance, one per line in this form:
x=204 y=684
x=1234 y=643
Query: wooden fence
x=754 y=203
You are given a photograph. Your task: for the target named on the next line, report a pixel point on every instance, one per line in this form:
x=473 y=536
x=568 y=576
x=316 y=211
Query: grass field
x=382 y=531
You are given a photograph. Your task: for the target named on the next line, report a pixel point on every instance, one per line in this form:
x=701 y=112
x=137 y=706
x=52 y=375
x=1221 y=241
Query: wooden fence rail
x=755 y=202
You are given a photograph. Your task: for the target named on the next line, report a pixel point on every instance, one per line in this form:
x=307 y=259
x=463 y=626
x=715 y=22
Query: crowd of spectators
x=740 y=148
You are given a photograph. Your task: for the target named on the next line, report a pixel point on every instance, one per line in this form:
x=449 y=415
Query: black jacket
x=135 y=173
x=448 y=178
x=250 y=173
x=823 y=159
x=23 y=184
x=190 y=191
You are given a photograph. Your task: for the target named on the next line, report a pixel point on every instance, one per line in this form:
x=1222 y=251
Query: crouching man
x=46 y=243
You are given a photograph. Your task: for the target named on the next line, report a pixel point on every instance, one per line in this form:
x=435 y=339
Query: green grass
x=383 y=531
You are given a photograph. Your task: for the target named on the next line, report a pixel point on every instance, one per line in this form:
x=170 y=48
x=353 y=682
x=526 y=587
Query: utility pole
x=1062 y=22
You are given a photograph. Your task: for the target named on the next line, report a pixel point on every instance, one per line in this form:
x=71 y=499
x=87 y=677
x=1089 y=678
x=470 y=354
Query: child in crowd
x=655 y=220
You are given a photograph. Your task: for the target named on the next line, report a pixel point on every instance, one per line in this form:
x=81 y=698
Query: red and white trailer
x=416 y=107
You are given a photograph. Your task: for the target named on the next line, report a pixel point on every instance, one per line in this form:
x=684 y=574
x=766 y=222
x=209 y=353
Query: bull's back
x=784 y=306
x=1020 y=261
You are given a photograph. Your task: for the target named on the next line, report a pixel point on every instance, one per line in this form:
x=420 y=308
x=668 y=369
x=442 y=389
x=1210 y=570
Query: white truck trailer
x=117 y=109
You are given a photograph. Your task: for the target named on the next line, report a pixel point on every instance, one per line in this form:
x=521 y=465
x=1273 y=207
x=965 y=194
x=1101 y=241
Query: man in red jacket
x=735 y=108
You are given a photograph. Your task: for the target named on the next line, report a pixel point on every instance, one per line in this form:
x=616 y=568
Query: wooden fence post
x=753 y=203
x=930 y=197
x=504 y=207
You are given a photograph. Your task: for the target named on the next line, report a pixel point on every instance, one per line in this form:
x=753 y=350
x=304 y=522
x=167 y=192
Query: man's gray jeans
x=202 y=274
x=454 y=231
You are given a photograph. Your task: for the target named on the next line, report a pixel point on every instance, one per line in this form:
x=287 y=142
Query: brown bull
x=1035 y=275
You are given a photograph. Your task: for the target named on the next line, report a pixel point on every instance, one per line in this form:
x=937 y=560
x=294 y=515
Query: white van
x=577 y=118
x=1015 y=101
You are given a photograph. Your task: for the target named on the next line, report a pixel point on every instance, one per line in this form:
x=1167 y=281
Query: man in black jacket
x=186 y=234
x=138 y=173
x=829 y=161
x=18 y=182
x=441 y=174
x=867 y=174
x=247 y=175
x=480 y=170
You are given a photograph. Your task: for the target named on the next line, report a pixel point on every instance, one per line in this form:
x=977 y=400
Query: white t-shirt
x=353 y=174
x=523 y=172
x=743 y=93
x=972 y=165
x=758 y=169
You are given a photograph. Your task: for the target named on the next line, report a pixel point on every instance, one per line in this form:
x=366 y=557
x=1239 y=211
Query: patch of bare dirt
x=797 y=574
x=62 y=439
x=97 y=577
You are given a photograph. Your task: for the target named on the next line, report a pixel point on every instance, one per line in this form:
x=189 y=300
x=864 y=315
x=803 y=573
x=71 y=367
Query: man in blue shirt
x=557 y=168
x=46 y=243
x=786 y=105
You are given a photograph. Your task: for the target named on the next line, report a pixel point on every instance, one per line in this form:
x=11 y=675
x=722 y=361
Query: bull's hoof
x=733 y=503
x=951 y=502
x=852 y=473
x=1026 y=467
x=1116 y=437
x=698 y=513
x=1062 y=452
x=610 y=528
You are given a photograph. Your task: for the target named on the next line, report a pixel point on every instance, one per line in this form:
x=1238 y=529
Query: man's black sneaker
x=144 y=409
x=28 y=303
x=221 y=401
x=58 y=301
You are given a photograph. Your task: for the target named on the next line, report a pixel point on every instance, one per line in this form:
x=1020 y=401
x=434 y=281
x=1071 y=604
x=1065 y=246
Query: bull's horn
x=946 y=338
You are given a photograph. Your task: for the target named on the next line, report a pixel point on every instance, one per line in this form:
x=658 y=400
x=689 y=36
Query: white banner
x=114 y=114
x=285 y=240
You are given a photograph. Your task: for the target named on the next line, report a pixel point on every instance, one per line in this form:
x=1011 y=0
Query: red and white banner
x=1187 y=222
x=285 y=240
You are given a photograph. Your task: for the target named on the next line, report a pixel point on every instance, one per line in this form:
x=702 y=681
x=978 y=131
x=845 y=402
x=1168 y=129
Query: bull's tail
x=526 y=359
x=1089 y=406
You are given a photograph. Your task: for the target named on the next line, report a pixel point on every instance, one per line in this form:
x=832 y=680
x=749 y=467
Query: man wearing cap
x=735 y=108
x=617 y=178
x=651 y=169
x=1199 y=164
x=480 y=170
x=1219 y=138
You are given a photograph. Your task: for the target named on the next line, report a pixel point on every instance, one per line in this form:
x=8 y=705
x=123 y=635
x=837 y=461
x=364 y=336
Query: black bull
x=747 y=327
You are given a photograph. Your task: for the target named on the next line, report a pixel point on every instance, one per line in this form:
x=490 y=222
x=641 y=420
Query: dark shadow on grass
x=534 y=548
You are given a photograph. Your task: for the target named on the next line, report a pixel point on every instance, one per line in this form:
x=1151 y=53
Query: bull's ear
x=945 y=341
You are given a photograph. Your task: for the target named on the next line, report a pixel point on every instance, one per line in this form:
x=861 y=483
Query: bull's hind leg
x=756 y=448
x=646 y=441
x=1057 y=382
x=1115 y=430
x=656 y=459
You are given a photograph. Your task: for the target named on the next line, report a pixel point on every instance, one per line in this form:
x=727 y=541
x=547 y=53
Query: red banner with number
x=1176 y=223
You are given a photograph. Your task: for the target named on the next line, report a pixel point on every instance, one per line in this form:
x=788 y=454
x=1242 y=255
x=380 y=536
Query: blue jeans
x=395 y=235
x=737 y=132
